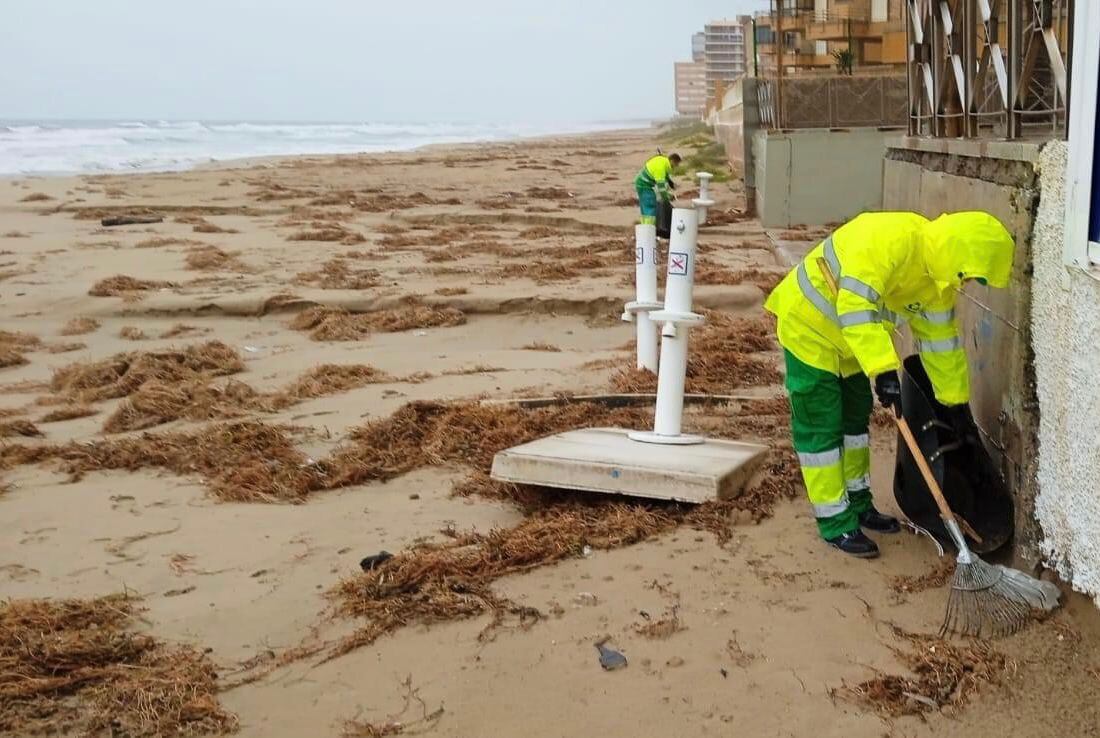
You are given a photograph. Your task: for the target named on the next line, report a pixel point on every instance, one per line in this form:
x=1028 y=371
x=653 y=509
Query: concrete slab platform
x=606 y=460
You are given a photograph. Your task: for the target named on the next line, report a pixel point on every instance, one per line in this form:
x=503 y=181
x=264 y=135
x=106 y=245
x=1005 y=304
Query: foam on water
x=66 y=147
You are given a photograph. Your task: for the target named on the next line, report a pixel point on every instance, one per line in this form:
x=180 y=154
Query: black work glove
x=888 y=390
x=961 y=423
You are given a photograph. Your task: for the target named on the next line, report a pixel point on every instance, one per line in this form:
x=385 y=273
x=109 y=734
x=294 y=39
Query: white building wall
x=1065 y=326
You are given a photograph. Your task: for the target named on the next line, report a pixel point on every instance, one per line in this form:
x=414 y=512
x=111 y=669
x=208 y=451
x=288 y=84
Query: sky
x=506 y=61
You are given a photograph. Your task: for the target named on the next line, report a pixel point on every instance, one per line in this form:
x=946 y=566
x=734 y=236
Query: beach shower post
x=704 y=200
x=645 y=281
x=677 y=320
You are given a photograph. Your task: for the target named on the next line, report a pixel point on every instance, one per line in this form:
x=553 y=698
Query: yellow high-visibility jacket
x=891 y=268
x=657 y=173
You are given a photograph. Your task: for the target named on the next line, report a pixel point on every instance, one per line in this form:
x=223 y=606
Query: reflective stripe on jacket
x=891 y=268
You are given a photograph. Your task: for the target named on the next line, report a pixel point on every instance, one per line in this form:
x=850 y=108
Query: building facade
x=815 y=32
x=698 y=46
x=725 y=55
x=691 y=88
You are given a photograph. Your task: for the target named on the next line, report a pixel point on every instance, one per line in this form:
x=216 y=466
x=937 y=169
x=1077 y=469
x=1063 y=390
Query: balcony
x=815 y=60
x=841 y=29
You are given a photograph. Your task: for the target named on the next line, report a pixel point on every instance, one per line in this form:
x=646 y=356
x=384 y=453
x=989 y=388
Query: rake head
x=992 y=600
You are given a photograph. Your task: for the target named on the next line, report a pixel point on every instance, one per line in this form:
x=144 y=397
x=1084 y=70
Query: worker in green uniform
x=655 y=180
x=837 y=311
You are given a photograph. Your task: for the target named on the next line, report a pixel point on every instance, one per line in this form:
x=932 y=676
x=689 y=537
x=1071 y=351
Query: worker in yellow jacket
x=655 y=180
x=888 y=269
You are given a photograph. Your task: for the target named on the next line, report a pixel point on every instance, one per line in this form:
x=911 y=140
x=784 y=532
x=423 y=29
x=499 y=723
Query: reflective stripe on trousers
x=857 y=462
x=831 y=509
x=819 y=460
x=821 y=471
x=861 y=441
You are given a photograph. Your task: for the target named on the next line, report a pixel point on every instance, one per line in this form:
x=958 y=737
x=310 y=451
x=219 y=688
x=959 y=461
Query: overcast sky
x=347 y=60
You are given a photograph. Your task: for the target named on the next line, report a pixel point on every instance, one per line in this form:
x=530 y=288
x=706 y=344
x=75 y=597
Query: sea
x=89 y=147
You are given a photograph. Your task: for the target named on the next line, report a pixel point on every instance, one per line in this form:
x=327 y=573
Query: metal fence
x=833 y=102
x=988 y=67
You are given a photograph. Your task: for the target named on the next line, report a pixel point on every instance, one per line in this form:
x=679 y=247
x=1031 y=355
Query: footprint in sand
x=36 y=536
x=18 y=572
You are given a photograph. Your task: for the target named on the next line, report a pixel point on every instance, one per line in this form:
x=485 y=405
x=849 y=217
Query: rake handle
x=930 y=479
x=925 y=470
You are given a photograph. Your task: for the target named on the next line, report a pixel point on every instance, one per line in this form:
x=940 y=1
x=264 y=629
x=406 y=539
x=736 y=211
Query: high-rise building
x=691 y=88
x=724 y=54
x=698 y=46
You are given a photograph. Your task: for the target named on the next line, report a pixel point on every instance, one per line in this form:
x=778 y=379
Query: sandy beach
x=212 y=414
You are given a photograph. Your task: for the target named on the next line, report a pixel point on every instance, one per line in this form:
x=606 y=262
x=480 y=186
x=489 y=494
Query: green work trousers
x=830 y=419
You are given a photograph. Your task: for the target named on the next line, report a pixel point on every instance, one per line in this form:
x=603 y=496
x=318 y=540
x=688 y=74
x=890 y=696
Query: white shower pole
x=645 y=281
x=704 y=200
x=677 y=320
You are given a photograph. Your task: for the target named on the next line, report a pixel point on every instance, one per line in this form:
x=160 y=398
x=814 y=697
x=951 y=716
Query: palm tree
x=844 y=59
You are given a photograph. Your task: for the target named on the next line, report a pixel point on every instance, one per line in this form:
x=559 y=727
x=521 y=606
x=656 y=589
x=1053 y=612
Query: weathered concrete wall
x=1065 y=325
x=735 y=124
x=933 y=177
x=814 y=177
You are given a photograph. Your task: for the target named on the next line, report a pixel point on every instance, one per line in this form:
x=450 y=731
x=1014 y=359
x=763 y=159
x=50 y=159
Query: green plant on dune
x=680 y=129
x=697 y=140
x=710 y=157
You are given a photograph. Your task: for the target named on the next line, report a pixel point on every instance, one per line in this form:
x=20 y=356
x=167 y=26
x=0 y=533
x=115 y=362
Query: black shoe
x=873 y=520
x=855 y=544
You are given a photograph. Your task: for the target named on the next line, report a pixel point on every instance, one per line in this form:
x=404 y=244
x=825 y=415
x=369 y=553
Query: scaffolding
x=988 y=68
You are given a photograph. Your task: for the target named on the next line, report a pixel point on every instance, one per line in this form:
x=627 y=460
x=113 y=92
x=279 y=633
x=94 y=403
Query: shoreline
x=458 y=147
x=237 y=162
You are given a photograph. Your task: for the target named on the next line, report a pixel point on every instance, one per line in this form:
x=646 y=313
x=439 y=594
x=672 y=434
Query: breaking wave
x=53 y=147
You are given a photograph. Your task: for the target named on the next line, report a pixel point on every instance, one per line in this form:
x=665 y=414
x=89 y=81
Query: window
x=1082 y=236
x=1094 y=215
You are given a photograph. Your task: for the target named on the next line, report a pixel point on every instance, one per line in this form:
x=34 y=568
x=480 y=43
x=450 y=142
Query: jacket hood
x=968 y=245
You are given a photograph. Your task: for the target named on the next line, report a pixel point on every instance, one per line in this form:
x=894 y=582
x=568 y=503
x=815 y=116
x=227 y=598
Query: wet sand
x=530 y=244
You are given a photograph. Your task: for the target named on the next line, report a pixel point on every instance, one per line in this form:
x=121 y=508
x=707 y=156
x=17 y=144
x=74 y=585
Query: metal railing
x=988 y=67
x=856 y=11
x=836 y=101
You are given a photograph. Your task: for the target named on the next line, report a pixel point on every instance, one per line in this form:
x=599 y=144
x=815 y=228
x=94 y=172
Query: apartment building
x=691 y=88
x=698 y=46
x=725 y=53
x=815 y=30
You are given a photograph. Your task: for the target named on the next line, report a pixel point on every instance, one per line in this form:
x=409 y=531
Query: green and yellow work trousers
x=649 y=190
x=647 y=202
x=830 y=419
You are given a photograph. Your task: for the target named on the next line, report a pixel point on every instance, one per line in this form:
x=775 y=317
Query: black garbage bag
x=964 y=469
x=664 y=218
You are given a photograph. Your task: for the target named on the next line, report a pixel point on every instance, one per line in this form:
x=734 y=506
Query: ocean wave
x=38 y=147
